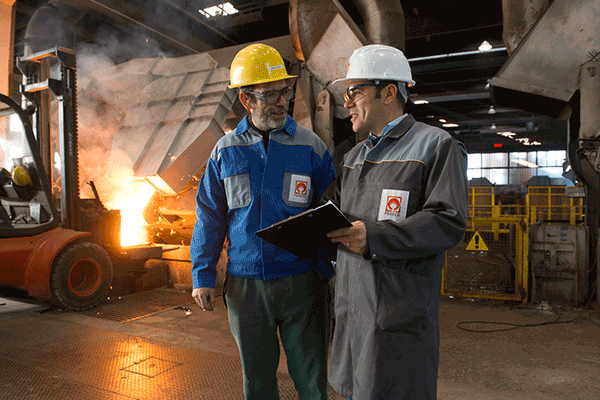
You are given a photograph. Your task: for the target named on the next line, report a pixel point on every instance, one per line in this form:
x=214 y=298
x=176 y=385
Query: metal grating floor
x=140 y=305
x=57 y=355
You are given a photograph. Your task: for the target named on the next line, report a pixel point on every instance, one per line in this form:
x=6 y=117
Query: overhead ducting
x=384 y=22
x=50 y=26
x=324 y=36
x=518 y=16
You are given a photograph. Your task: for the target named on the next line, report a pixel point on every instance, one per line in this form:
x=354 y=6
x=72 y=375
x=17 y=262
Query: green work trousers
x=298 y=308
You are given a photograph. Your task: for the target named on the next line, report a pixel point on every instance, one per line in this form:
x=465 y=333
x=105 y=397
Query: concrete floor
x=187 y=353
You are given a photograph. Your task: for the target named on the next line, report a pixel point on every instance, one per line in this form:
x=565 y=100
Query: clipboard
x=305 y=234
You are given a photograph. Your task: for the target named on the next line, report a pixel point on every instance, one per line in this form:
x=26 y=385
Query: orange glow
x=131 y=200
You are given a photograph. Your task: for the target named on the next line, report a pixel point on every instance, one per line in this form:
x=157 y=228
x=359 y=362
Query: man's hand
x=205 y=298
x=354 y=238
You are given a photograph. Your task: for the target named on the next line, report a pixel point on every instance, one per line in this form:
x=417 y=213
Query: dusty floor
x=40 y=347
x=550 y=361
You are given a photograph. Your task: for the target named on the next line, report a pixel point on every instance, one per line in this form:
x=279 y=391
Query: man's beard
x=268 y=120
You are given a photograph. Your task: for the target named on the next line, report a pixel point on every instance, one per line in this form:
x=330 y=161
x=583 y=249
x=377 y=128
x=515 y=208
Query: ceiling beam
x=199 y=19
x=455 y=96
x=136 y=16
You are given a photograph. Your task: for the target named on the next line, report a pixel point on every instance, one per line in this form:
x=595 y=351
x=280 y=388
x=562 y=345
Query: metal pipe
x=589 y=87
x=50 y=26
x=518 y=17
x=462 y=53
x=384 y=22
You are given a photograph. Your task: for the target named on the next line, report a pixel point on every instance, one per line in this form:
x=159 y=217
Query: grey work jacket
x=411 y=191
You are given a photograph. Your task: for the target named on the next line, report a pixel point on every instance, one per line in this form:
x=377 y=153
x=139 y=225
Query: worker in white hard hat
x=268 y=169
x=405 y=190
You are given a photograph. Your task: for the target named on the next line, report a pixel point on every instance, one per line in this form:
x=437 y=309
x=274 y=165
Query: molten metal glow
x=131 y=201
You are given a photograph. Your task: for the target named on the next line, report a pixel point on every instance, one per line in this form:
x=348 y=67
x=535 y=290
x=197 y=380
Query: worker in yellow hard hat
x=260 y=74
x=268 y=169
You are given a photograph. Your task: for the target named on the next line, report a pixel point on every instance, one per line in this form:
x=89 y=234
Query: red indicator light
x=497 y=144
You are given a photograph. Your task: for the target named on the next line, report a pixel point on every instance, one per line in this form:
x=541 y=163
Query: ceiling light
x=442 y=120
x=492 y=110
x=506 y=134
x=493 y=126
x=487 y=85
x=526 y=142
x=485 y=46
x=421 y=102
x=219 y=10
x=450 y=125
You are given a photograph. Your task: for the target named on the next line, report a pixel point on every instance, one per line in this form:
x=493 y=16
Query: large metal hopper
x=174 y=122
x=543 y=72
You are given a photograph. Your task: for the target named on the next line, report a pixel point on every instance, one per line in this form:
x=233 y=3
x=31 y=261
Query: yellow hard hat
x=21 y=177
x=257 y=63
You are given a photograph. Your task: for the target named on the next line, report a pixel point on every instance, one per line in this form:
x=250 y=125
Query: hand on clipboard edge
x=354 y=237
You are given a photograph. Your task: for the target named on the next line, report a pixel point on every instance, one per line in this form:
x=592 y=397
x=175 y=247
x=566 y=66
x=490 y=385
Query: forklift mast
x=37 y=85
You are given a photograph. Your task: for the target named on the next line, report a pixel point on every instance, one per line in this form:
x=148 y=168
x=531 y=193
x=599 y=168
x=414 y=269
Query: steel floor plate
x=56 y=356
x=140 y=305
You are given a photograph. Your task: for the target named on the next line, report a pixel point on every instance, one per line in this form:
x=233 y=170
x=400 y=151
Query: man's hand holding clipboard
x=354 y=237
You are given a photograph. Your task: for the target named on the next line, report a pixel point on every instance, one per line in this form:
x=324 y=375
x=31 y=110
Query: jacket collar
x=289 y=126
x=395 y=132
x=402 y=127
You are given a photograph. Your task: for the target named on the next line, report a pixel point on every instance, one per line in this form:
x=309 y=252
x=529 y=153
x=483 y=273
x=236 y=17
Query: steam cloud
x=103 y=102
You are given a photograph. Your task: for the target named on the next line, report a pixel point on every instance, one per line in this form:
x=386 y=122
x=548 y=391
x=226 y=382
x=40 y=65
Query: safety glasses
x=350 y=93
x=272 y=96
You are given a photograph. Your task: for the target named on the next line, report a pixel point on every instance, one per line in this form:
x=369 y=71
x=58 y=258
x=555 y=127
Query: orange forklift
x=53 y=244
x=36 y=253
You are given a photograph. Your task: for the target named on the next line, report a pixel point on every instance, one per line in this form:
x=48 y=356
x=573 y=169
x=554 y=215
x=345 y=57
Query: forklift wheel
x=81 y=276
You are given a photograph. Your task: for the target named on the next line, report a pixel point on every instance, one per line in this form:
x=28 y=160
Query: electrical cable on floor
x=511 y=326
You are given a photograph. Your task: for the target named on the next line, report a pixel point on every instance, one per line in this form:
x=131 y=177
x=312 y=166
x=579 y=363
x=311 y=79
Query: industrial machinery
x=53 y=243
x=555 y=71
x=171 y=112
x=37 y=253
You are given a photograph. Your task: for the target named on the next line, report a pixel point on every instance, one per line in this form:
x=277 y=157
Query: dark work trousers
x=297 y=307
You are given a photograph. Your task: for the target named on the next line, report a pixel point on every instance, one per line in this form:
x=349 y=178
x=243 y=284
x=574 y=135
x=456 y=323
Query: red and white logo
x=301 y=187
x=393 y=204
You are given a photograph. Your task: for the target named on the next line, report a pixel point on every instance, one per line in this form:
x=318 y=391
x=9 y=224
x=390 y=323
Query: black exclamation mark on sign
x=476 y=242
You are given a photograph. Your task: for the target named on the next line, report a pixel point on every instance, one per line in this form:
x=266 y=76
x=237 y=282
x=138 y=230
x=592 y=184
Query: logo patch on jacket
x=393 y=205
x=299 y=188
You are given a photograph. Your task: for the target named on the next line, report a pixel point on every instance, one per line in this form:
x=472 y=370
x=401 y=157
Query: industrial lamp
x=485 y=46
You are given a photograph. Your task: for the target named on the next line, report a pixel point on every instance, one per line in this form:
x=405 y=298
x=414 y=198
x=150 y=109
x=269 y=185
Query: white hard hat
x=378 y=62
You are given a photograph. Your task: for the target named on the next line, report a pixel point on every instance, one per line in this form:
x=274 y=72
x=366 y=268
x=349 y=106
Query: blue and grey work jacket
x=244 y=190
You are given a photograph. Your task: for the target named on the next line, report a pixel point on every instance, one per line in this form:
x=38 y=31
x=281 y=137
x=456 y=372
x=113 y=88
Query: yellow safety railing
x=551 y=204
x=542 y=203
x=497 y=223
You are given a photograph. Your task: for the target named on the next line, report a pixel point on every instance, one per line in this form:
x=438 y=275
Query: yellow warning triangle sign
x=476 y=243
